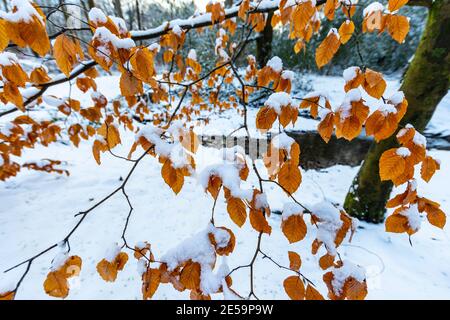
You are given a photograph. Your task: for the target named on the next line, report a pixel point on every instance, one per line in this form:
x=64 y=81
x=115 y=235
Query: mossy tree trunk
x=264 y=42
x=425 y=83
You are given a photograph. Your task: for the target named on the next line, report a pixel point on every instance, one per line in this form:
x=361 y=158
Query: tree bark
x=118 y=8
x=425 y=83
x=264 y=42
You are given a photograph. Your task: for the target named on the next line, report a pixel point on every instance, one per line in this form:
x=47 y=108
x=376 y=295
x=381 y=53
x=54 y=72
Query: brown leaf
x=327 y=49
x=237 y=210
x=56 y=285
x=290 y=176
x=190 y=275
x=294 y=288
x=294 y=228
x=391 y=165
x=265 y=118
x=312 y=293
x=295 y=262
x=150 y=282
x=428 y=168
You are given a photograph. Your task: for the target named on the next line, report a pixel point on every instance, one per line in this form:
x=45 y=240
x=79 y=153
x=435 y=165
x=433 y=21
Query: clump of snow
x=198 y=248
x=397 y=97
x=290 y=209
x=334 y=31
x=261 y=201
x=403 y=152
x=112 y=252
x=387 y=108
x=229 y=174
x=192 y=55
x=24 y=13
x=276 y=64
x=373 y=7
x=288 y=75
x=105 y=36
x=8 y=59
x=412 y=213
x=221 y=236
x=277 y=100
x=347 y=270
x=330 y=222
x=350 y=73
x=345 y=108
x=282 y=141
x=154 y=47
x=96 y=15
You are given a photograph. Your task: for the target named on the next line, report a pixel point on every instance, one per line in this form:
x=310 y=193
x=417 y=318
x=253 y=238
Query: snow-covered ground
x=37 y=210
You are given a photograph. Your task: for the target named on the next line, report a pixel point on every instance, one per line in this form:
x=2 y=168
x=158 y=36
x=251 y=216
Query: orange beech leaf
x=330 y=6
x=346 y=30
x=382 y=123
x=130 y=85
x=350 y=289
x=326 y=261
x=39 y=75
x=312 y=293
x=391 y=164
x=397 y=223
x=394 y=5
x=428 y=168
x=151 y=279
x=9 y=295
x=354 y=77
x=56 y=285
x=172 y=176
x=142 y=250
x=374 y=84
x=111 y=135
x=290 y=176
x=294 y=288
x=265 y=118
x=294 y=228
x=221 y=248
x=436 y=216
x=328 y=48
x=398 y=27
x=67 y=53
x=108 y=269
x=326 y=126
x=409 y=196
x=259 y=222
x=4 y=39
x=190 y=275
x=295 y=262
x=142 y=64
x=350 y=117
x=237 y=210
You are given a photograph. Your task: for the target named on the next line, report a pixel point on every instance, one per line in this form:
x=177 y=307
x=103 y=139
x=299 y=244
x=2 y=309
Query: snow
x=403 y=152
x=288 y=75
x=192 y=55
x=96 y=15
x=347 y=270
x=412 y=213
x=107 y=36
x=275 y=63
x=112 y=252
x=373 y=7
x=290 y=209
x=25 y=12
x=278 y=100
x=282 y=141
x=350 y=73
x=397 y=97
x=8 y=59
x=387 y=108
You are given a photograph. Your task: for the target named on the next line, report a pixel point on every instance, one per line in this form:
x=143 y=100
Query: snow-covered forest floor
x=37 y=210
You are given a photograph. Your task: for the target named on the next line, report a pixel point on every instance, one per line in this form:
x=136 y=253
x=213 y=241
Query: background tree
x=425 y=83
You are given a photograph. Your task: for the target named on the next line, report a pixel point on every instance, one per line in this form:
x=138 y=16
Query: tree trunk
x=118 y=8
x=425 y=83
x=264 y=42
